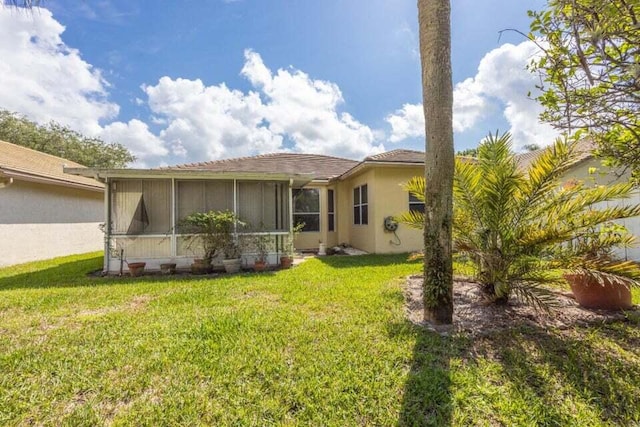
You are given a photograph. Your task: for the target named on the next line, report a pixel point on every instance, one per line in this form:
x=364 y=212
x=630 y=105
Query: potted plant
x=232 y=257
x=262 y=242
x=286 y=260
x=597 y=278
x=168 y=268
x=214 y=232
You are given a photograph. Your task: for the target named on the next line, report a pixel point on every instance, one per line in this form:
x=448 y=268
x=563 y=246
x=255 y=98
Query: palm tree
x=437 y=97
x=520 y=226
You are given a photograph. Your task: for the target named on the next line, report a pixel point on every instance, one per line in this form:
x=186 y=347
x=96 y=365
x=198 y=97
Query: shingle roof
x=584 y=150
x=322 y=167
x=398 y=156
x=21 y=162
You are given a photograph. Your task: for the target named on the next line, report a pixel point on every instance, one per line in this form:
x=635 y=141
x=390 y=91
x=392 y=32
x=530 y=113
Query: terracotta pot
x=232 y=265
x=136 y=268
x=259 y=265
x=168 y=268
x=200 y=266
x=607 y=295
x=286 y=262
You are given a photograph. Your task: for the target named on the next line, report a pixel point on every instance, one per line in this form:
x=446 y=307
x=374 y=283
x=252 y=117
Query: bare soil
x=474 y=315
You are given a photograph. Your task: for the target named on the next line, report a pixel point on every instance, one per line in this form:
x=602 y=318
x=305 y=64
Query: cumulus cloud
x=287 y=110
x=501 y=83
x=45 y=79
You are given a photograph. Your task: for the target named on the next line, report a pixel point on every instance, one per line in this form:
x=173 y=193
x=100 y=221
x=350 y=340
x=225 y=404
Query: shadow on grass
x=427 y=396
x=371 y=260
x=597 y=365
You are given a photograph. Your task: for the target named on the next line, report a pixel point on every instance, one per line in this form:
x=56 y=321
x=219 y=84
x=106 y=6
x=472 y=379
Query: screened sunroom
x=143 y=212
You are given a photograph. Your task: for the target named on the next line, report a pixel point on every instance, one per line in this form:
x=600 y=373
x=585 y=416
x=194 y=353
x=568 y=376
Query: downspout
x=107 y=225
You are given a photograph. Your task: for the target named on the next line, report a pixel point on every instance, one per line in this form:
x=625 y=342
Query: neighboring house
x=338 y=200
x=45 y=212
x=591 y=171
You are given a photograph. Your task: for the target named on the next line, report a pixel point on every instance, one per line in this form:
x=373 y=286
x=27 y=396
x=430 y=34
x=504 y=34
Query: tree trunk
x=437 y=97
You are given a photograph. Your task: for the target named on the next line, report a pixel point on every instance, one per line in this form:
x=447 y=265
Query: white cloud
x=136 y=136
x=43 y=78
x=286 y=110
x=502 y=82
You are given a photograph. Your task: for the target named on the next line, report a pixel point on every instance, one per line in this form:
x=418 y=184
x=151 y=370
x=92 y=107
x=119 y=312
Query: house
x=45 y=212
x=338 y=200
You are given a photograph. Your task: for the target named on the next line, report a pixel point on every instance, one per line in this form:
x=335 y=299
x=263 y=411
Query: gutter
x=363 y=165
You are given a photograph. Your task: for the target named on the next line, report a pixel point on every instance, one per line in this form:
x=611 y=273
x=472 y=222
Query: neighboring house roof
x=319 y=166
x=584 y=149
x=30 y=165
x=398 y=156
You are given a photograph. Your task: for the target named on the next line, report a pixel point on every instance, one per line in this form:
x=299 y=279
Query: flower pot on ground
x=168 y=268
x=286 y=261
x=201 y=266
x=259 y=265
x=232 y=265
x=607 y=293
x=136 y=268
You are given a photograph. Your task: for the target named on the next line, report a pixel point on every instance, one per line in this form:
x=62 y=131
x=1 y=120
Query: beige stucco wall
x=358 y=236
x=40 y=221
x=311 y=240
x=391 y=199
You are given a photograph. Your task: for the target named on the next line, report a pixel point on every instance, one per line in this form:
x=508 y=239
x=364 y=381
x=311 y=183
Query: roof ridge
x=257 y=156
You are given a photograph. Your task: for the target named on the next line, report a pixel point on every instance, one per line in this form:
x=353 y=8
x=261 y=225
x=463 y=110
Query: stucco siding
x=359 y=236
x=39 y=221
x=391 y=199
x=592 y=172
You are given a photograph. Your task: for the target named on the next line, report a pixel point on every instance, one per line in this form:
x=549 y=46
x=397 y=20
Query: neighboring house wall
x=390 y=199
x=39 y=221
x=603 y=175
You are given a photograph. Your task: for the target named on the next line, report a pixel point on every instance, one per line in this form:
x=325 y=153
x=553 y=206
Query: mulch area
x=474 y=316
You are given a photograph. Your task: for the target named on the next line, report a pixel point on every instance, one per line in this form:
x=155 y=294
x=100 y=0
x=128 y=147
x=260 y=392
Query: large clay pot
x=605 y=294
x=259 y=265
x=200 y=266
x=136 y=268
x=286 y=261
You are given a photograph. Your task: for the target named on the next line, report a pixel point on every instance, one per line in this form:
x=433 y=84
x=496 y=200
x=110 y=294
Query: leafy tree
x=518 y=226
x=61 y=141
x=437 y=93
x=469 y=152
x=591 y=72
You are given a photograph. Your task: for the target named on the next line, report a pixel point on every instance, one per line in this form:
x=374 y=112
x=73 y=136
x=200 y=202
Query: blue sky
x=192 y=80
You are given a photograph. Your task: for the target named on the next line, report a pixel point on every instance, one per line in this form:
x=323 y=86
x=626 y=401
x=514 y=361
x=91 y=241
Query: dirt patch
x=473 y=315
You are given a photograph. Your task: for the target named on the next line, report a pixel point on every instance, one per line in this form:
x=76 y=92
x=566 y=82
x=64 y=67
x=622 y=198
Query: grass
x=325 y=343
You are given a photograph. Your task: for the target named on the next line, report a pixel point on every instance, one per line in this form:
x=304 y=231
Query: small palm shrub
x=520 y=227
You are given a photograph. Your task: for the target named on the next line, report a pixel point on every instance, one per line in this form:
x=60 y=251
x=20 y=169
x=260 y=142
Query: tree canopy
x=62 y=141
x=590 y=72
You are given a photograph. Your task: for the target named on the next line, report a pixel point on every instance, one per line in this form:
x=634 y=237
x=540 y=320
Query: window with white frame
x=306 y=208
x=360 y=205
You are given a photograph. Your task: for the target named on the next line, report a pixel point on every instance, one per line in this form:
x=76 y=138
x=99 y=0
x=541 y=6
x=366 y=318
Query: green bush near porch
x=325 y=343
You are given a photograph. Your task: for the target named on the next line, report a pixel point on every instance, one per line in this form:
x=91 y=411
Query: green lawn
x=325 y=343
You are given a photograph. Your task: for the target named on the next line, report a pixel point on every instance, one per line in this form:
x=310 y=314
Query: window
x=415 y=204
x=331 y=212
x=306 y=208
x=360 y=205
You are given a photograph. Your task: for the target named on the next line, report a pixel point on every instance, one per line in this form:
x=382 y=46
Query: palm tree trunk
x=437 y=97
